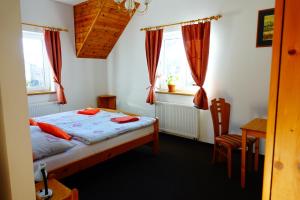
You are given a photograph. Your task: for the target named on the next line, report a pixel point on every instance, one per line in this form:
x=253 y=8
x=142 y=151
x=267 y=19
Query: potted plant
x=171 y=83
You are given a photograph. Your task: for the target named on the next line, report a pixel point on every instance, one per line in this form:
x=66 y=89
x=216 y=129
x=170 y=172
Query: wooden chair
x=225 y=142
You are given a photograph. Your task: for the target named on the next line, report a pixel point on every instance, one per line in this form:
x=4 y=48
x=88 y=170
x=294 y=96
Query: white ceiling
x=71 y=2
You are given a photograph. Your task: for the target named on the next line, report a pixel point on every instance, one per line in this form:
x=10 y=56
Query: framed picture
x=265 y=28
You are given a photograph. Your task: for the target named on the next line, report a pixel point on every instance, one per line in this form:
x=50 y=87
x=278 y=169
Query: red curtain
x=52 y=41
x=196 y=40
x=153 y=46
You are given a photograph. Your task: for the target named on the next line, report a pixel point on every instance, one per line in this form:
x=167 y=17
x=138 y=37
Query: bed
x=86 y=153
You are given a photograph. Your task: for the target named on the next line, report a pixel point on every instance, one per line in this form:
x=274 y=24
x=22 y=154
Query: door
x=286 y=158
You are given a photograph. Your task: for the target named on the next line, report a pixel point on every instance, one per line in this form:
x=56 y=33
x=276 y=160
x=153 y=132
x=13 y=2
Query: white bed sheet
x=82 y=150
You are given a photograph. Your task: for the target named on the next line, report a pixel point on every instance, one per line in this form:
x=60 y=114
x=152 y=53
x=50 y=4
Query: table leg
x=243 y=160
x=75 y=195
x=249 y=157
x=256 y=154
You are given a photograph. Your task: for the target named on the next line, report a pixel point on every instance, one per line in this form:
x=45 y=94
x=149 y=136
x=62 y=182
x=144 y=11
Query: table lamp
x=41 y=175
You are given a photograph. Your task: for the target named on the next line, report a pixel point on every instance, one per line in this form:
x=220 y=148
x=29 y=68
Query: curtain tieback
x=198 y=85
x=60 y=85
x=150 y=86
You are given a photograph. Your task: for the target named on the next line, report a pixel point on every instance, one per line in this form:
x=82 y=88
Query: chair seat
x=233 y=140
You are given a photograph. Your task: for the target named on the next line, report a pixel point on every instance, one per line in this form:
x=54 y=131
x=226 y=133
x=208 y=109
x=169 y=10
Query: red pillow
x=53 y=130
x=125 y=119
x=89 y=111
x=32 y=122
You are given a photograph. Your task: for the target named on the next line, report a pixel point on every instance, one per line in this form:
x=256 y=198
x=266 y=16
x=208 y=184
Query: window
x=37 y=65
x=173 y=62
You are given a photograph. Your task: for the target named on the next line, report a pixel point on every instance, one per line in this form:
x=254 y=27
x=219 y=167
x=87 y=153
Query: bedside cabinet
x=107 y=101
x=60 y=192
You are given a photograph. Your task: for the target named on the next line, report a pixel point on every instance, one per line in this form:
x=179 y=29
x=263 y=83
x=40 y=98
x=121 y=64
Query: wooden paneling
x=282 y=163
x=98 y=26
x=272 y=108
x=286 y=166
x=84 y=15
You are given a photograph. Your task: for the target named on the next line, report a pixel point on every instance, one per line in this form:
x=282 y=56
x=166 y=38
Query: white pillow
x=45 y=145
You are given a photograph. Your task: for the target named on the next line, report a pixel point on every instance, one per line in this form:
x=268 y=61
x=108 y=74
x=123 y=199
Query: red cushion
x=125 y=119
x=54 y=130
x=89 y=111
x=32 y=122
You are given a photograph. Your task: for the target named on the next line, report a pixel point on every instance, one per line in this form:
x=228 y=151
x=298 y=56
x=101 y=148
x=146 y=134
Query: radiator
x=40 y=109
x=178 y=119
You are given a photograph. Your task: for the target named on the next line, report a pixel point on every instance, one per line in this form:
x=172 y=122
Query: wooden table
x=256 y=128
x=60 y=192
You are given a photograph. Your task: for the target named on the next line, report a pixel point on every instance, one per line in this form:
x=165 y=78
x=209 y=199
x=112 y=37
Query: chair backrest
x=220 y=113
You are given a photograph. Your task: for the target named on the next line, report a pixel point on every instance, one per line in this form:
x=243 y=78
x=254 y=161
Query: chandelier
x=132 y=5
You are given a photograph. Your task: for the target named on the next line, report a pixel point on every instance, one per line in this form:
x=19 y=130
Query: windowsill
x=39 y=93
x=178 y=92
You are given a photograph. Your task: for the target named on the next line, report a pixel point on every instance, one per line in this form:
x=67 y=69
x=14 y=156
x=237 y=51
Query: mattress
x=81 y=150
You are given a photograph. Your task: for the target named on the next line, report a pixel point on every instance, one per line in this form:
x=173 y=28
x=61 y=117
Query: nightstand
x=107 y=101
x=60 y=192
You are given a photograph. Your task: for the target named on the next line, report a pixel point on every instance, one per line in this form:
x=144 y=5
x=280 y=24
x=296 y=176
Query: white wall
x=83 y=79
x=16 y=167
x=237 y=69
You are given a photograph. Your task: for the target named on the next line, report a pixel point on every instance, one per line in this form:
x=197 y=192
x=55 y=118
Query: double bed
x=94 y=141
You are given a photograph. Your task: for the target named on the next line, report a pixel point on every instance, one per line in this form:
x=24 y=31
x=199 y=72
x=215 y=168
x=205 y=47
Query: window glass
x=173 y=65
x=37 y=66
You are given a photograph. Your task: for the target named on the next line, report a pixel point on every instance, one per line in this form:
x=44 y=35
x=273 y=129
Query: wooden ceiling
x=98 y=26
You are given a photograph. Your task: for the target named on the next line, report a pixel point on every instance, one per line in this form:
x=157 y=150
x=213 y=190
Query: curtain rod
x=45 y=27
x=207 y=19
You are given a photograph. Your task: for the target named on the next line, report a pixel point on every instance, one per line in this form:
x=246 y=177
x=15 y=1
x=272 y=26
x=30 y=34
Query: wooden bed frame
x=72 y=168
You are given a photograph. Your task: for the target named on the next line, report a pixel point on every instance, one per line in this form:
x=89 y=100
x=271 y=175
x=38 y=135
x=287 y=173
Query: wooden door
x=282 y=164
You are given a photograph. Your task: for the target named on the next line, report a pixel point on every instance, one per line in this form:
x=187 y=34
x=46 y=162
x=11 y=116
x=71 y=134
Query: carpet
x=182 y=171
